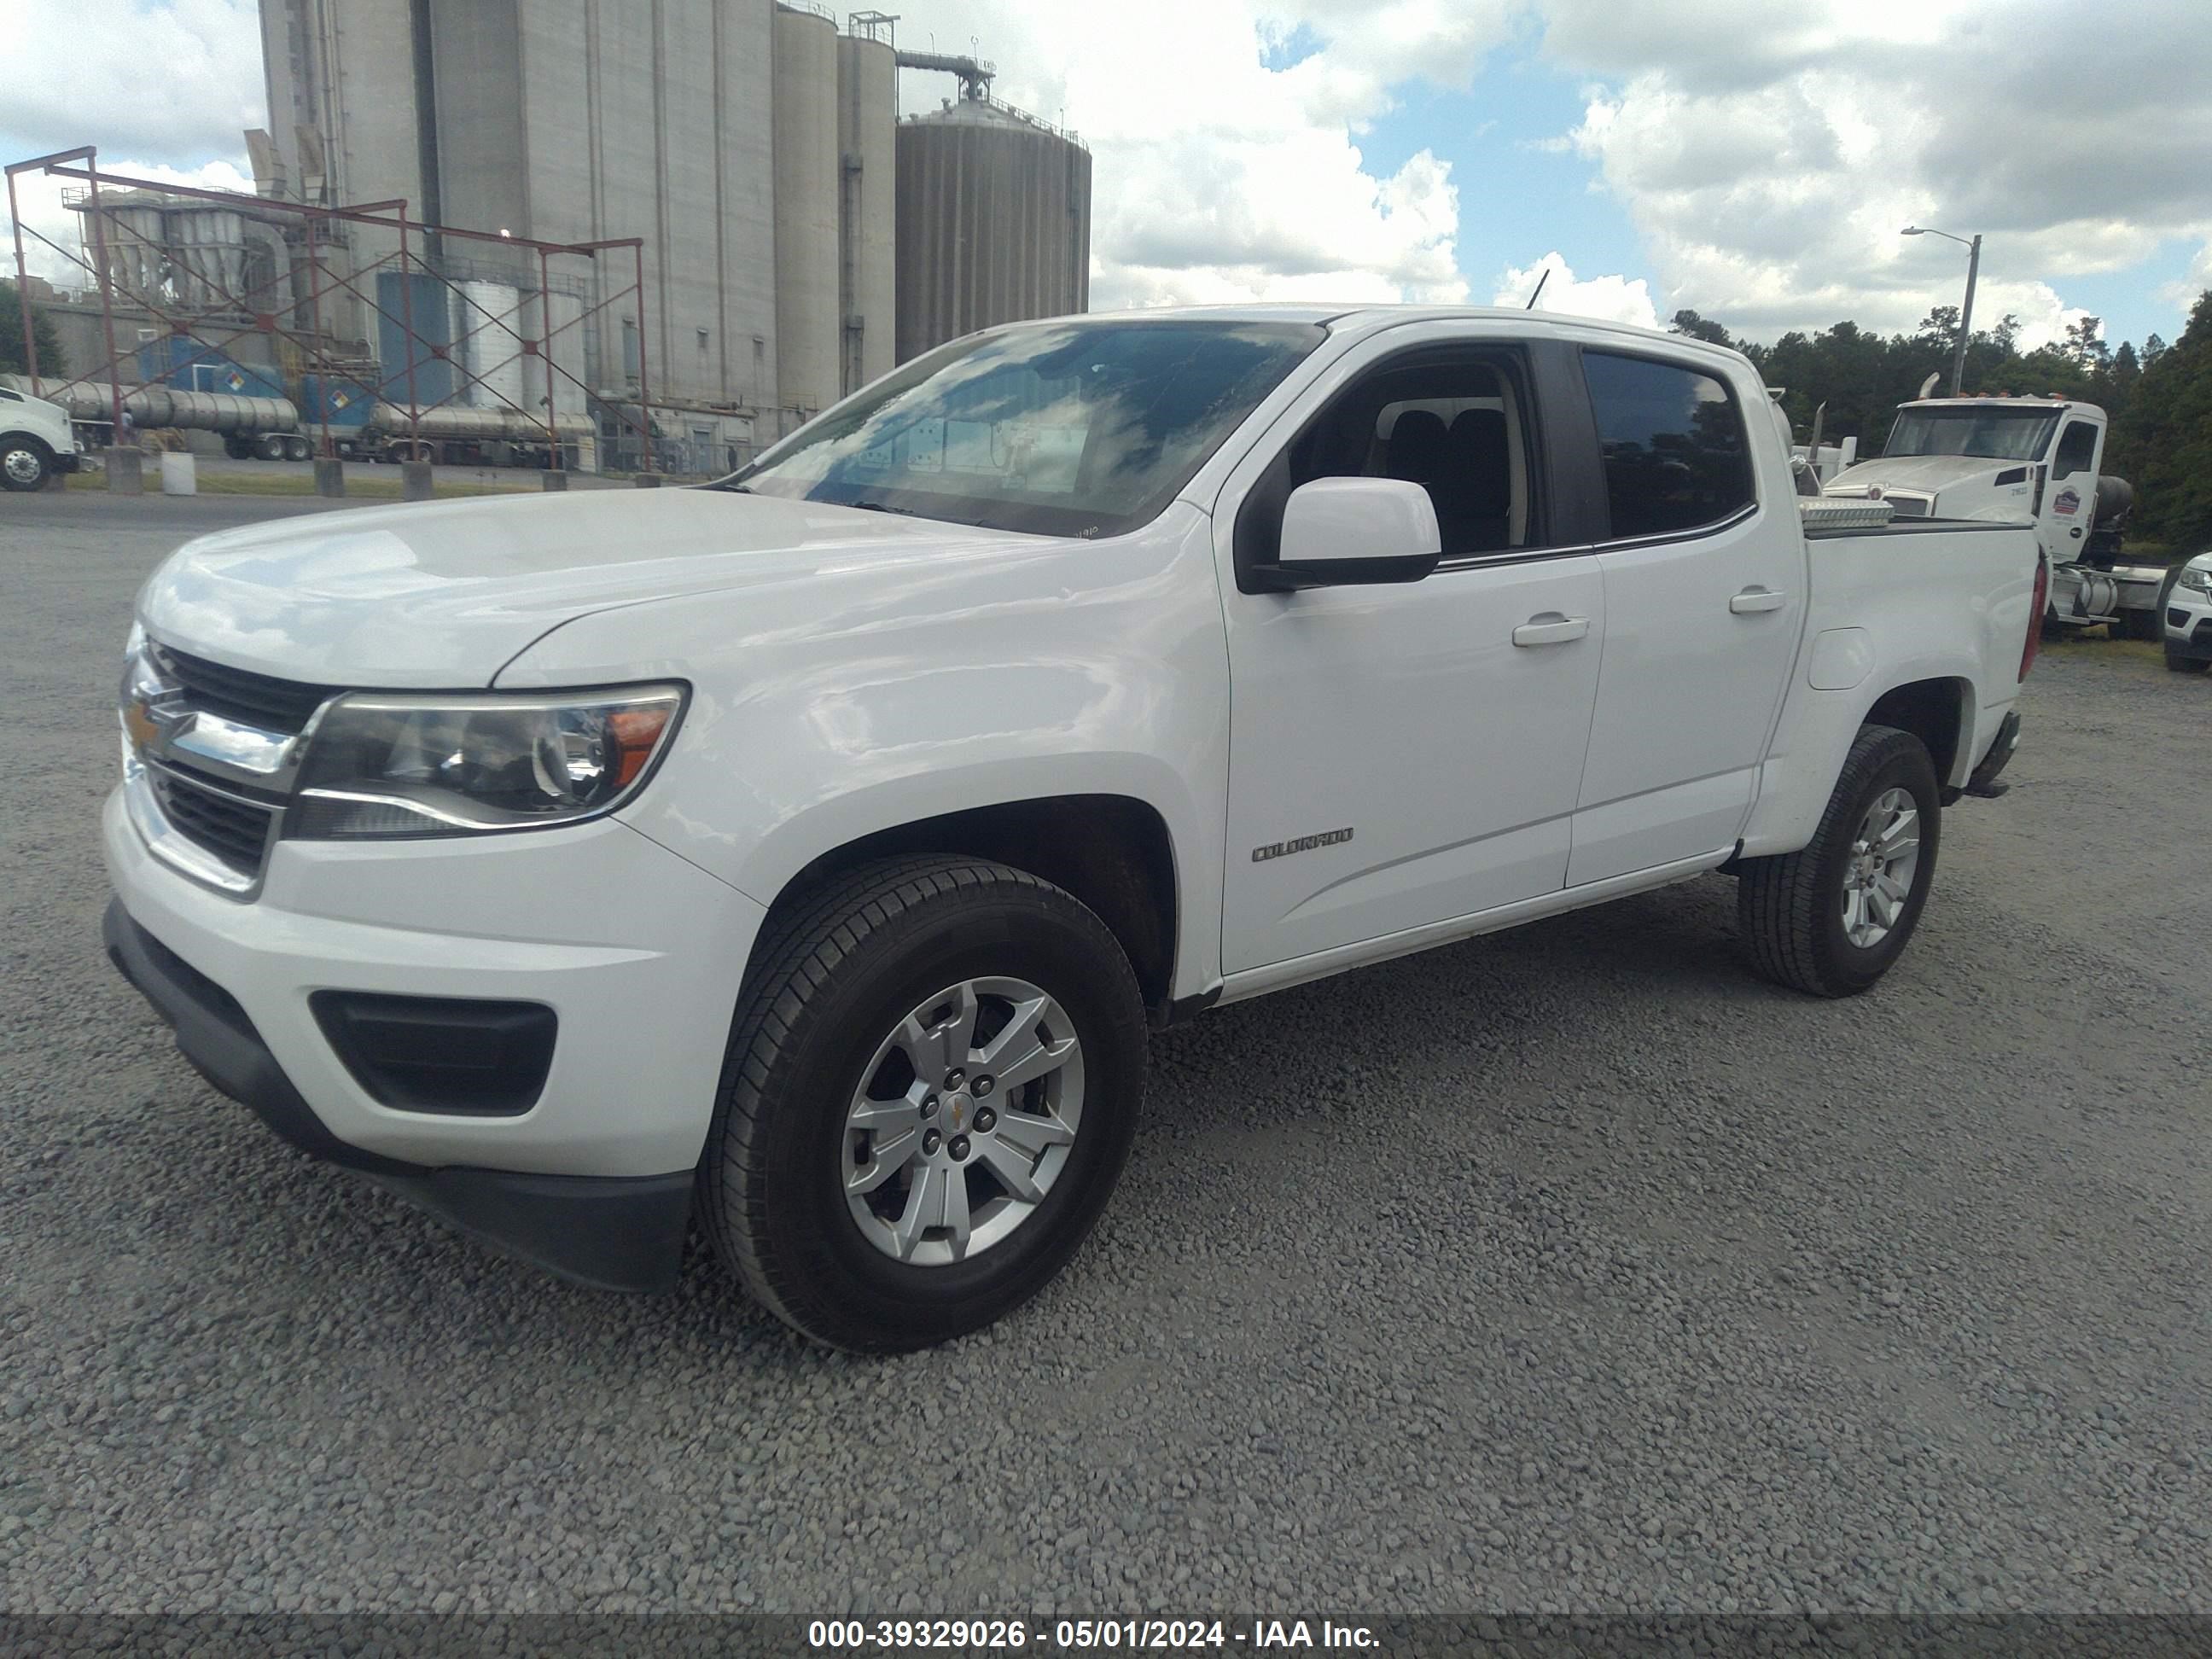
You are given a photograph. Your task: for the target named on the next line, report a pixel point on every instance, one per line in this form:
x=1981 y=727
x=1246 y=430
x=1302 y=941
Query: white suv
x=2185 y=609
x=35 y=441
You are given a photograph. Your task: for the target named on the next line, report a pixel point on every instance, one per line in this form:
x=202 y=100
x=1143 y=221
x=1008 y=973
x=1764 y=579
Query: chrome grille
x=235 y=830
x=239 y=694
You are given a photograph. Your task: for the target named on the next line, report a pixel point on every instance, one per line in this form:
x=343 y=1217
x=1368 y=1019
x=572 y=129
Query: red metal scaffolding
x=311 y=228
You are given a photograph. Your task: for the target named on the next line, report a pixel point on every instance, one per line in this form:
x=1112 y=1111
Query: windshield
x=1067 y=428
x=2001 y=434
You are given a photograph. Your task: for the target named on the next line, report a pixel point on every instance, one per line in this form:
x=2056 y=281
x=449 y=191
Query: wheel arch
x=1940 y=712
x=1113 y=853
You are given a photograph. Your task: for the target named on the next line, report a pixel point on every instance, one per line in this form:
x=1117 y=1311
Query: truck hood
x=1923 y=474
x=442 y=594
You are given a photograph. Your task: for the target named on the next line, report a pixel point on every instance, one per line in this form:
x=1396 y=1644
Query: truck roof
x=2024 y=401
x=1376 y=316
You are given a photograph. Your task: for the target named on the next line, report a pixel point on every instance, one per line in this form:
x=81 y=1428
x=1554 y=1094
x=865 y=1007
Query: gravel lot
x=1570 y=1269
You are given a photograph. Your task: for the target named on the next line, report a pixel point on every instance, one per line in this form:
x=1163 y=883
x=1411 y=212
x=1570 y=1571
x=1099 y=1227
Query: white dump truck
x=2032 y=458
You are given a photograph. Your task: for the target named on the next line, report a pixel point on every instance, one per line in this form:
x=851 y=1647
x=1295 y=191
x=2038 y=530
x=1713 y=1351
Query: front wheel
x=1831 y=918
x=25 y=463
x=932 y=1081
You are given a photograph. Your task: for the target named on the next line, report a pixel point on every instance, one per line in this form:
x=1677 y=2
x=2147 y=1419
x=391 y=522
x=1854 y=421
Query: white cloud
x=1770 y=151
x=2182 y=295
x=177 y=82
x=1614 y=299
x=1219 y=179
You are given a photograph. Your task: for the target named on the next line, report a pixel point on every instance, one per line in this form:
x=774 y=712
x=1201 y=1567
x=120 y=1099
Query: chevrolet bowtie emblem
x=144 y=722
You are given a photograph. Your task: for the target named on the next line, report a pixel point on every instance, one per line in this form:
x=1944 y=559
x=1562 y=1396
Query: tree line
x=2158 y=399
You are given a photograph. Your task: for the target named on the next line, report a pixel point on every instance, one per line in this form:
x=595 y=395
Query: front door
x=1406 y=755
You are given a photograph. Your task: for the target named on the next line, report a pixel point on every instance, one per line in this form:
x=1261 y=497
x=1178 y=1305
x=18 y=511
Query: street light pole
x=1973 y=247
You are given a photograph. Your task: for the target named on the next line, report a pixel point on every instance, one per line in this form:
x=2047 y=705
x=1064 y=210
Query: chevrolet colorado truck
x=806 y=855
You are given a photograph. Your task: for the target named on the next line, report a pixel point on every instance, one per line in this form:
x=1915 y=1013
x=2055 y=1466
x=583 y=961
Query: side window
x=1675 y=459
x=1455 y=421
x=2077 y=447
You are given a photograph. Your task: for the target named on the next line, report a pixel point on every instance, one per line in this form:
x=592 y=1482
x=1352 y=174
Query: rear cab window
x=1672 y=439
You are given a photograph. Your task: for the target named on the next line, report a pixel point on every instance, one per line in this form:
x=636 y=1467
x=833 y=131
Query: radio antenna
x=1540 y=281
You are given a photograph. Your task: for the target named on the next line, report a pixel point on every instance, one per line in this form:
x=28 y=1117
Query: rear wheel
x=932 y=1085
x=1831 y=918
x=26 y=463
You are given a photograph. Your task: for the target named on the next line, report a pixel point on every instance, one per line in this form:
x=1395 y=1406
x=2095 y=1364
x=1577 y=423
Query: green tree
x=2164 y=443
x=1699 y=328
x=2084 y=343
x=13 y=359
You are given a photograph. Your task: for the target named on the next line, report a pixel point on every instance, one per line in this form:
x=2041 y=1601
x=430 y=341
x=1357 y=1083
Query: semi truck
x=259 y=416
x=2035 y=459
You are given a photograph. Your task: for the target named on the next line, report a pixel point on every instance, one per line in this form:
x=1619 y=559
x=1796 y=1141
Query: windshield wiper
x=879 y=507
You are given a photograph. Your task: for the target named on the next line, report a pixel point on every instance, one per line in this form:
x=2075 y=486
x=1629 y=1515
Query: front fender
x=853 y=701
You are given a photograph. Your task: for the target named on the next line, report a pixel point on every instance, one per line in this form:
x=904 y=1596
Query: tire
x=26 y=463
x=2179 y=662
x=297 y=449
x=836 y=978
x=1792 y=908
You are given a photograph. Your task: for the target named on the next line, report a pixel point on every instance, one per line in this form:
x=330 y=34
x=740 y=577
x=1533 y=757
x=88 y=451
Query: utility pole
x=1973 y=247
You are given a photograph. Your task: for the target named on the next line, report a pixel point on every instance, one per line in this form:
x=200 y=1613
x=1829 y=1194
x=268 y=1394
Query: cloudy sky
x=1751 y=159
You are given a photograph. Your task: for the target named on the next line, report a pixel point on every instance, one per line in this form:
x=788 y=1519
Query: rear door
x=1704 y=599
x=1406 y=755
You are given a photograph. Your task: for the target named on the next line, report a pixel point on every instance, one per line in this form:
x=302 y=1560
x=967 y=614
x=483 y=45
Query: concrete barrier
x=330 y=475
x=179 y=474
x=646 y=481
x=127 y=470
x=415 y=481
x=555 y=478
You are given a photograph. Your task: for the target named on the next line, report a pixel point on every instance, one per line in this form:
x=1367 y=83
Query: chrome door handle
x=1757 y=598
x=1551 y=628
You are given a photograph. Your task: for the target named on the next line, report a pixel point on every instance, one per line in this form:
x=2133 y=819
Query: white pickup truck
x=807 y=855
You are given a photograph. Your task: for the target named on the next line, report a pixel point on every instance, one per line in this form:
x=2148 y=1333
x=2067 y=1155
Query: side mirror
x=1338 y=531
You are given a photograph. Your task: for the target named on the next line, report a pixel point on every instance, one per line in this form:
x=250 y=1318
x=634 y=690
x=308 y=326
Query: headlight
x=2196 y=576
x=380 y=765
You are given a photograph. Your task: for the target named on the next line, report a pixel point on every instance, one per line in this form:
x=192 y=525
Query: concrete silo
x=993 y=222
x=867 y=135
x=806 y=193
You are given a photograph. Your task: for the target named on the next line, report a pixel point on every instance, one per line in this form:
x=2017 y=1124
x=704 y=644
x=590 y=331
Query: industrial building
x=799 y=238
x=794 y=238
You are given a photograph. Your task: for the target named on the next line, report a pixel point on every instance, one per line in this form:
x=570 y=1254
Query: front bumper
x=72 y=462
x=2186 y=624
x=638 y=953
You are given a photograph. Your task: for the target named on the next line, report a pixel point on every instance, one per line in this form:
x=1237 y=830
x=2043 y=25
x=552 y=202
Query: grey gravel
x=1567 y=1270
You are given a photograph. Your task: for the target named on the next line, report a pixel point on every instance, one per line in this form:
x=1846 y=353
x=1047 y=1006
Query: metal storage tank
x=556 y=318
x=426 y=302
x=484 y=317
x=993 y=222
x=867 y=134
x=806 y=318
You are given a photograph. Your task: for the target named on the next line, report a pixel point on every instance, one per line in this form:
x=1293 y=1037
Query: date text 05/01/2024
x=1109 y=1635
